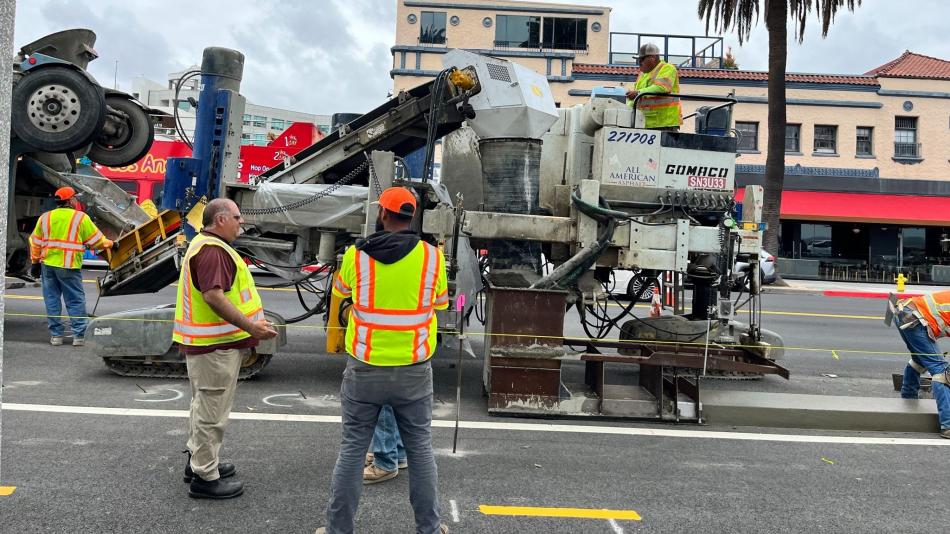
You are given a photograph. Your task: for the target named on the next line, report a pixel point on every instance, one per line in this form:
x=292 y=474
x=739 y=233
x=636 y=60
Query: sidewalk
x=849 y=289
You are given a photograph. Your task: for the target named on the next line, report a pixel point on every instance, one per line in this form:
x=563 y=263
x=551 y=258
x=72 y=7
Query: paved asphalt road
x=85 y=457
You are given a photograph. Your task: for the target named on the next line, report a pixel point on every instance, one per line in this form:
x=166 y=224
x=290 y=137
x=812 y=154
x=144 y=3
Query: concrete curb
x=819 y=412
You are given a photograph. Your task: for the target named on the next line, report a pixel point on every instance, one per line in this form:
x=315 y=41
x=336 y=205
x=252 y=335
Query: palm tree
x=740 y=15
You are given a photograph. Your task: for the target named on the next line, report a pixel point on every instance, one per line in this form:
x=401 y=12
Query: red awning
x=863 y=207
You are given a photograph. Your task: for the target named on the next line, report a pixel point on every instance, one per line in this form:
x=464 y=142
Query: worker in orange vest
x=56 y=249
x=921 y=321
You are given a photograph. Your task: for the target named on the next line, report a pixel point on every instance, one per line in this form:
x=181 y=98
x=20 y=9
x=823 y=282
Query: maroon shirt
x=212 y=267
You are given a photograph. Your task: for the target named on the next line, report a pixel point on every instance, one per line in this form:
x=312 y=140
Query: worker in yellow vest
x=921 y=321
x=396 y=282
x=659 y=78
x=219 y=317
x=56 y=249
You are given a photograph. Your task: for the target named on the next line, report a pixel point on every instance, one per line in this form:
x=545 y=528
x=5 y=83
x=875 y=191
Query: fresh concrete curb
x=819 y=412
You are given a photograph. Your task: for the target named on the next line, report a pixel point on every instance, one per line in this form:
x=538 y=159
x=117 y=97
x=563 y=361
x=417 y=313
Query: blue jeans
x=388 y=449
x=925 y=352
x=66 y=285
x=365 y=390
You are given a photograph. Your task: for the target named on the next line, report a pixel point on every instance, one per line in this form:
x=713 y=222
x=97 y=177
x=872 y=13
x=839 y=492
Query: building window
x=748 y=136
x=247 y=120
x=277 y=124
x=432 y=29
x=517 y=31
x=864 y=145
x=563 y=33
x=905 y=138
x=260 y=139
x=826 y=139
x=258 y=121
x=793 y=138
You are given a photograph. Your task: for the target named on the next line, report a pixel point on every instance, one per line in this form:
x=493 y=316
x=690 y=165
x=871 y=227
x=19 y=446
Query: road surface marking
x=6 y=491
x=614 y=525
x=178 y=395
x=455 y=511
x=496 y=425
x=22 y=297
x=577 y=513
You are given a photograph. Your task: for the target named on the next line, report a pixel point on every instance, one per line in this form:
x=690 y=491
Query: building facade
x=867 y=181
x=262 y=124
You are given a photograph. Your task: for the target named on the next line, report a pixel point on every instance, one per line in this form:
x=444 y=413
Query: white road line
x=615 y=526
x=455 y=511
x=498 y=425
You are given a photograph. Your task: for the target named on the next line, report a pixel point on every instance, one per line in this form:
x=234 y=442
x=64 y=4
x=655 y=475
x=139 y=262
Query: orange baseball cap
x=398 y=200
x=65 y=193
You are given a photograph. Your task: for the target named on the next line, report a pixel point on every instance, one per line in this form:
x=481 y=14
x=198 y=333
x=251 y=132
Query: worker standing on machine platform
x=56 y=249
x=663 y=111
x=396 y=282
x=921 y=321
x=218 y=318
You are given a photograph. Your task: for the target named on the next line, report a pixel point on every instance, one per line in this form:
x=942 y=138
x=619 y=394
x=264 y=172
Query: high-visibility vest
x=935 y=309
x=392 y=320
x=61 y=237
x=196 y=324
x=661 y=111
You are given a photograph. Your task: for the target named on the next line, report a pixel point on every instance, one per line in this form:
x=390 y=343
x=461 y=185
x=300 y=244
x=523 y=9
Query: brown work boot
x=945 y=433
x=443 y=529
x=375 y=475
x=369 y=460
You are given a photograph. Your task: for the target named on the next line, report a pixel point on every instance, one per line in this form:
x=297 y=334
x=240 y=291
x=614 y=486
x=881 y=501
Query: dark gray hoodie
x=388 y=247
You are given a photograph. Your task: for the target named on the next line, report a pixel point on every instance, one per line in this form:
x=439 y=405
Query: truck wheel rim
x=54 y=108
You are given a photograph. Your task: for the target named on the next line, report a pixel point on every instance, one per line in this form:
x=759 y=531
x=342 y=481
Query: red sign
x=254 y=161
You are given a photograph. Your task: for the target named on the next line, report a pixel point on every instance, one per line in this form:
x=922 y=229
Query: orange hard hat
x=398 y=200
x=65 y=193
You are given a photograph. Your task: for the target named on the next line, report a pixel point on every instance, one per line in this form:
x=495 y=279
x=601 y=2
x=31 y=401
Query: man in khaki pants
x=218 y=318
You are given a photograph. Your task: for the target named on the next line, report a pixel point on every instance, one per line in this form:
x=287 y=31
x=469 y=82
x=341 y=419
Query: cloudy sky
x=326 y=56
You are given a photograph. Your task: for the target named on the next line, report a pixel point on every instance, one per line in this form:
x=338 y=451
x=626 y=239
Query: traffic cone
x=656 y=307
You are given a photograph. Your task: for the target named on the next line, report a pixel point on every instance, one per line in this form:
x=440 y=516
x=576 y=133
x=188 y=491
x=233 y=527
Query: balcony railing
x=694 y=51
x=907 y=150
x=522 y=45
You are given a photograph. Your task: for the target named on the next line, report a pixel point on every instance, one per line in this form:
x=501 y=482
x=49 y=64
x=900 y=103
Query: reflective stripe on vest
x=195 y=322
x=934 y=308
x=395 y=327
x=660 y=111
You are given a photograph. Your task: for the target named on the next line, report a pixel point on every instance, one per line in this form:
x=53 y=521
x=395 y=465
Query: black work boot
x=215 y=489
x=225 y=470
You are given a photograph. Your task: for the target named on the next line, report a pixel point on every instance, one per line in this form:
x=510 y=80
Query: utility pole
x=7 y=14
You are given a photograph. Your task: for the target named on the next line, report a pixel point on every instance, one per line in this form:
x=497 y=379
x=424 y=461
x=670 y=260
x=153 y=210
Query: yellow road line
x=6 y=491
x=794 y=314
x=579 y=513
x=22 y=297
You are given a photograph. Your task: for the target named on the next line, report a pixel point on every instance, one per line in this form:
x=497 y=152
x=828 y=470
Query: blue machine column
x=187 y=180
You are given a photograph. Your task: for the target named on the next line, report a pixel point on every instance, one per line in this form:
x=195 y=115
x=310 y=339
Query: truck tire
x=57 y=109
x=126 y=136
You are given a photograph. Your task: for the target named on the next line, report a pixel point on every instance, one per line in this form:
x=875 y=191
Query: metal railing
x=696 y=51
x=521 y=45
x=907 y=150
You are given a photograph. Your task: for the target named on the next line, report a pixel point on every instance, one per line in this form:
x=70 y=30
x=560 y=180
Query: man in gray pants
x=396 y=282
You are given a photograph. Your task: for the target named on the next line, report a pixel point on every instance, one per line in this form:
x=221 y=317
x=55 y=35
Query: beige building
x=867 y=185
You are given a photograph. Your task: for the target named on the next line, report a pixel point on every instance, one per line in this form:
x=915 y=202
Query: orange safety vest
x=61 y=237
x=392 y=321
x=935 y=309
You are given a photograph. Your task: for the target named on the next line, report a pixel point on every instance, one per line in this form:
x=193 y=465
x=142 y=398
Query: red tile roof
x=728 y=74
x=911 y=65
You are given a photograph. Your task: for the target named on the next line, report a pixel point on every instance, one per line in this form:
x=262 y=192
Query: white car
x=626 y=283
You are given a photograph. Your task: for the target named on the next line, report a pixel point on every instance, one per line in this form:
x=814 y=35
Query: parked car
x=767 y=273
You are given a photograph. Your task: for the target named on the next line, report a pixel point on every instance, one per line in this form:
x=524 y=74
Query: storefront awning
x=863 y=208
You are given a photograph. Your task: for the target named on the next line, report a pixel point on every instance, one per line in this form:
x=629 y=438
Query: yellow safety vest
x=196 y=324
x=660 y=111
x=61 y=237
x=392 y=321
x=935 y=309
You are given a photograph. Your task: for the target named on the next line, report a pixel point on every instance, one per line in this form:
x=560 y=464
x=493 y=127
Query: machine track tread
x=177 y=369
